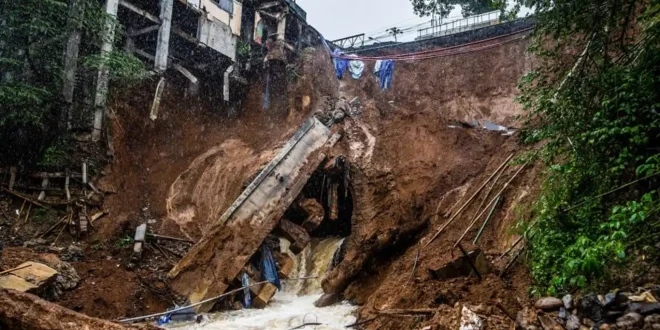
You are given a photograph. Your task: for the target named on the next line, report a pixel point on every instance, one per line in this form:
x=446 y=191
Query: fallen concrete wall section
x=210 y=266
x=23 y=311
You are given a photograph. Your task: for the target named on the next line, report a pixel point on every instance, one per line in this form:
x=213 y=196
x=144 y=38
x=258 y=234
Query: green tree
x=442 y=8
x=33 y=36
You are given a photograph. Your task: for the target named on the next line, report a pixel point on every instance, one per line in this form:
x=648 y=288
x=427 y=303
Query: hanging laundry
x=247 y=298
x=377 y=67
x=340 y=64
x=355 y=67
x=386 y=74
x=268 y=267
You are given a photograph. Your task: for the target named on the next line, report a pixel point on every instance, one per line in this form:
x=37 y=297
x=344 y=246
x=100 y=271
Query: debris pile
x=620 y=310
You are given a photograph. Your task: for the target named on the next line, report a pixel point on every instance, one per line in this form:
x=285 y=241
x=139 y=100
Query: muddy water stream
x=294 y=305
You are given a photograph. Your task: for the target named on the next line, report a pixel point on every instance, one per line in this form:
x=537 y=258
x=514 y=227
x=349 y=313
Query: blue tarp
x=386 y=74
x=247 y=298
x=268 y=267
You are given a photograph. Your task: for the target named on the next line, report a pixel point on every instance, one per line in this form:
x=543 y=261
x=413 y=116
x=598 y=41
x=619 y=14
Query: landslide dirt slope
x=410 y=167
x=178 y=173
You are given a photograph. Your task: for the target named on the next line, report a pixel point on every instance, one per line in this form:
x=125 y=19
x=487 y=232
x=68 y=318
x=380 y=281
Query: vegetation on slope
x=33 y=38
x=593 y=104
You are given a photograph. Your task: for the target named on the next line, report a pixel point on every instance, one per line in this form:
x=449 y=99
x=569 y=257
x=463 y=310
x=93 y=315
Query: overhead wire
x=442 y=52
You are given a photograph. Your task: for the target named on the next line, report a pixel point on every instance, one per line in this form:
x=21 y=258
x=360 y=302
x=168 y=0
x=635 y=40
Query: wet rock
x=563 y=314
x=72 y=253
x=652 y=322
x=33 y=243
x=549 y=304
x=338 y=115
x=327 y=300
x=568 y=301
x=645 y=309
x=616 y=301
x=573 y=323
x=630 y=321
x=591 y=308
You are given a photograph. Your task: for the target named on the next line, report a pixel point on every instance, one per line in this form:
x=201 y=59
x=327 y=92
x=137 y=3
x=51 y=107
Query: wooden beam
x=139 y=11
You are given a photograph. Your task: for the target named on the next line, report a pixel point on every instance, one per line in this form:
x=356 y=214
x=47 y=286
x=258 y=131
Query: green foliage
x=57 y=154
x=123 y=242
x=41 y=215
x=123 y=67
x=593 y=101
x=33 y=37
x=443 y=8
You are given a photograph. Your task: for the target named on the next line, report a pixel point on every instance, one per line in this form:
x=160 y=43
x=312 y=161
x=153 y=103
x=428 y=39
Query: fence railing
x=465 y=24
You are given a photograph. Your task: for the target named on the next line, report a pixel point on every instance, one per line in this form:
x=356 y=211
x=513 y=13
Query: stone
x=590 y=307
x=573 y=323
x=563 y=314
x=338 y=115
x=630 y=321
x=652 y=322
x=549 y=304
x=645 y=309
x=72 y=253
x=327 y=299
x=297 y=235
x=568 y=301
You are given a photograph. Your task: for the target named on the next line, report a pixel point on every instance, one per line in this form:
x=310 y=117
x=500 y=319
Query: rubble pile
x=618 y=310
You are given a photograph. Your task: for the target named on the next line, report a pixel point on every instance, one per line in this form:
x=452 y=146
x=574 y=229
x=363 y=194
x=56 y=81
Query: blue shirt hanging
x=340 y=64
x=386 y=74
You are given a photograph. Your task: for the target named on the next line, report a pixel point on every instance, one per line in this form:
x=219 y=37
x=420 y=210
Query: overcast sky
x=342 y=18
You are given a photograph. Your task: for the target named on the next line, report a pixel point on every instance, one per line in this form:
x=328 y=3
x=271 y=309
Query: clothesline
x=434 y=53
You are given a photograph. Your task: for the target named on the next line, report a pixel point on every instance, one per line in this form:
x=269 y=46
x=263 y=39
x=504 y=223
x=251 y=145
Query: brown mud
x=411 y=162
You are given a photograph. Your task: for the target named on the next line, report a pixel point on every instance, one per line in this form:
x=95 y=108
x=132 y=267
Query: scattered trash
x=140 y=235
x=549 y=304
x=470 y=320
x=268 y=267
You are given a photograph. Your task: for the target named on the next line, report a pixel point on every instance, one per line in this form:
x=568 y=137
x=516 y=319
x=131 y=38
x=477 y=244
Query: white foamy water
x=284 y=312
x=287 y=309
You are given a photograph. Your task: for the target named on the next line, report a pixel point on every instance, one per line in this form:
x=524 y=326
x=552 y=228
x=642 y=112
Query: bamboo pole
x=506 y=185
x=486 y=221
x=170 y=238
x=468 y=202
x=14 y=269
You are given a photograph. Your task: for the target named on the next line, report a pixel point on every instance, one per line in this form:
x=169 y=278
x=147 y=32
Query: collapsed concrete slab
x=25 y=311
x=210 y=266
x=29 y=277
